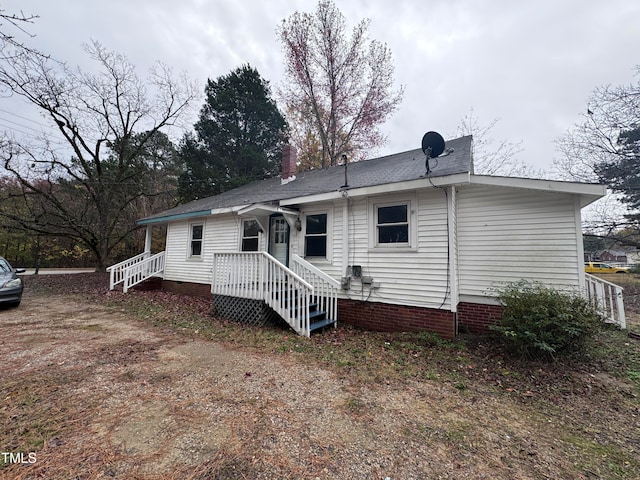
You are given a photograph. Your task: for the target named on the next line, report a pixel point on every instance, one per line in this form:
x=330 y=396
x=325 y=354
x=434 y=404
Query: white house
x=383 y=243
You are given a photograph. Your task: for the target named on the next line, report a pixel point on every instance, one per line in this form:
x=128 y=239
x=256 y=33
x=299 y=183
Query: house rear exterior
x=405 y=249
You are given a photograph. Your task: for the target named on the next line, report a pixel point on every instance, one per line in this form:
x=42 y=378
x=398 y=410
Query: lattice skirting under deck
x=245 y=310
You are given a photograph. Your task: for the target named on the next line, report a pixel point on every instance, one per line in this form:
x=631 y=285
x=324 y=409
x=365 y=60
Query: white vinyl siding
x=505 y=235
x=221 y=233
x=409 y=274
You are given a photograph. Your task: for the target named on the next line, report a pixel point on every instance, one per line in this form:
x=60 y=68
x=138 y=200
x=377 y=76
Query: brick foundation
x=187 y=288
x=386 y=317
x=476 y=318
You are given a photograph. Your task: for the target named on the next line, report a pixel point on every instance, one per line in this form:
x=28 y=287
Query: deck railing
x=607 y=297
x=325 y=288
x=140 y=271
x=259 y=276
x=135 y=270
x=117 y=271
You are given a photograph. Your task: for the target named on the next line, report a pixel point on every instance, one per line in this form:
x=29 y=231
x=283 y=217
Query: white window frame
x=329 y=236
x=375 y=203
x=325 y=235
x=190 y=254
x=242 y=237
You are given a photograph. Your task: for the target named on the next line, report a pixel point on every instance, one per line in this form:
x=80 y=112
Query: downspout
x=452 y=239
x=345 y=232
x=579 y=245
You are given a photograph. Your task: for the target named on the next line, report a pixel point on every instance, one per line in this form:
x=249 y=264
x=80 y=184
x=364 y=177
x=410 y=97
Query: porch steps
x=317 y=318
x=322 y=323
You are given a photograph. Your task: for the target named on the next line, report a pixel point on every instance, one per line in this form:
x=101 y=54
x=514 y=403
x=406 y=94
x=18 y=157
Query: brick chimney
x=289 y=166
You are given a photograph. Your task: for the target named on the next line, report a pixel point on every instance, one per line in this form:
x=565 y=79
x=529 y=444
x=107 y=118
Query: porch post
x=147 y=241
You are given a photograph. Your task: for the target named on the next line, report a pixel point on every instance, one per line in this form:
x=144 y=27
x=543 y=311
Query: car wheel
x=16 y=304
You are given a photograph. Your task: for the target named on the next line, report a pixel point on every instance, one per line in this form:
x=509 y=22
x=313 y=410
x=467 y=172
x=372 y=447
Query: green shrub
x=541 y=322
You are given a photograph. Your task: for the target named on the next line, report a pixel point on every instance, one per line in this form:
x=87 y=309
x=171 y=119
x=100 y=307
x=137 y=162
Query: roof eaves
x=423 y=182
x=541 y=184
x=177 y=216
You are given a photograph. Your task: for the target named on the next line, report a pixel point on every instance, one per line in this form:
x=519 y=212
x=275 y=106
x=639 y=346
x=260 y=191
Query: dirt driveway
x=116 y=398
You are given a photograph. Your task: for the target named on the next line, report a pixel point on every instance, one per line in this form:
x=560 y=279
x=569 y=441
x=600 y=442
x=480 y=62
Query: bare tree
x=491 y=157
x=83 y=177
x=11 y=25
x=604 y=147
x=340 y=85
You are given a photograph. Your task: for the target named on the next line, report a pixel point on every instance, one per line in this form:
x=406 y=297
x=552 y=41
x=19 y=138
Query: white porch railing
x=325 y=288
x=259 y=276
x=607 y=297
x=117 y=271
x=135 y=270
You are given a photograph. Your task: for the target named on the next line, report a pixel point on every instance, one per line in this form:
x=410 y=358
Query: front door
x=279 y=239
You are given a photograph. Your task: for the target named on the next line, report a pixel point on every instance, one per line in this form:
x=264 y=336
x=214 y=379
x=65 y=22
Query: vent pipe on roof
x=345 y=162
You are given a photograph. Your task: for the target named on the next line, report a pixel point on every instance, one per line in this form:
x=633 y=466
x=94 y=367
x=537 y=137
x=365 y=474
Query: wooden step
x=322 y=323
x=317 y=315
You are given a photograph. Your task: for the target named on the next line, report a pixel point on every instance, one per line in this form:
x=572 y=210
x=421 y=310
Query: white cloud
x=532 y=64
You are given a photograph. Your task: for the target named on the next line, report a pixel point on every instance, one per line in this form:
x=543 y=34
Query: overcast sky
x=532 y=64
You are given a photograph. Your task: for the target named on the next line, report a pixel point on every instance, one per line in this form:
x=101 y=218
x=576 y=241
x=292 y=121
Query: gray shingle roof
x=399 y=167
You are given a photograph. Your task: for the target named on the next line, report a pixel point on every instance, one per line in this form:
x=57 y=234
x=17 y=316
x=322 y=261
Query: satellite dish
x=432 y=144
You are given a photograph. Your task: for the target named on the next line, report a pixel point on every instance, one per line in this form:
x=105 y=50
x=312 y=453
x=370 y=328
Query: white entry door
x=279 y=239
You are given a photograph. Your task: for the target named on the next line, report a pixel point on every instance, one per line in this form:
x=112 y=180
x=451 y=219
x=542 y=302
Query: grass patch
x=601 y=460
x=33 y=412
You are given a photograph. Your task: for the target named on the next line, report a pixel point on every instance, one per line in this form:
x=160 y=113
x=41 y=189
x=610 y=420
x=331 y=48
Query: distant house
x=380 y=244
x=617 y=256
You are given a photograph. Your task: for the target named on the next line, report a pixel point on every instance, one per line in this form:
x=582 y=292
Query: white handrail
x=607 y=297
x=117 y=272
x=325 y=287
x=142 y=270
x=259 y=276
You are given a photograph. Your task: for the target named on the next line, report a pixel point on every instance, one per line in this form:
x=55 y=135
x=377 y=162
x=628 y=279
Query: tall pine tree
x=622 y=174
x=238 y=137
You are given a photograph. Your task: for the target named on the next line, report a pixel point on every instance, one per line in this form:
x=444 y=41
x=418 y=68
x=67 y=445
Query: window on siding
x=393 y=224
x=250 y=230
x=315 y=239
x=196 y=240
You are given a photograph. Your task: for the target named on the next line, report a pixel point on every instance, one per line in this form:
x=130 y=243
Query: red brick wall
x=386 y=317
x=476 y=318
x=187 y=288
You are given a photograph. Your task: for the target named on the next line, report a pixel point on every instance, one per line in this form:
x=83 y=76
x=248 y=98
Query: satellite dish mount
x=432 y=147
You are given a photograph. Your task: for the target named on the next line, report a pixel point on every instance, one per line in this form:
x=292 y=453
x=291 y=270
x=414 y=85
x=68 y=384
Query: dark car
x=10 y=284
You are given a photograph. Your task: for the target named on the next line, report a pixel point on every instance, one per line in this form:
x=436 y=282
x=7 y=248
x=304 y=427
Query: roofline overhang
x=588 y=192
x=187 y=215
x=169 y=218
x=422 y=182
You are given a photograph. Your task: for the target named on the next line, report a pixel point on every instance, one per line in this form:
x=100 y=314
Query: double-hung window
x=197 y=230
x=250 y=235
x=315 y=239
x=392 y=224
